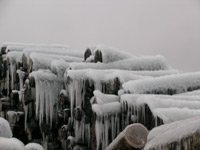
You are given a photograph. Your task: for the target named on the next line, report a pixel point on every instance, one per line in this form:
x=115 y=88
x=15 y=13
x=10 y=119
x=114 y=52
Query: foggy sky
x=167 y=27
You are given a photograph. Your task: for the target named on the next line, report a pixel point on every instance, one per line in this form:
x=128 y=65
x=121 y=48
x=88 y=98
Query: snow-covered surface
x=178 y=83
x=107 y=122
x=43 y=61
x=13 y=57
x=48 y=87
x=20 y=46
x=50 y=50
x=163 y=135
x=76 y=80
x=34 y=146
x=11 y=144
x=168 y=108
x=136 y=63
x=5 y=130
x=195 y=92
x=59 y=67
x=108 y=108
x=110 y=54
x=101 y=98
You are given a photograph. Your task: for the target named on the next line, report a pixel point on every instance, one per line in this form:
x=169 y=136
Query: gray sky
x=167 y=27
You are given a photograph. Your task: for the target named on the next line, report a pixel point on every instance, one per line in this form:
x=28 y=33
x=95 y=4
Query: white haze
x=167 y=27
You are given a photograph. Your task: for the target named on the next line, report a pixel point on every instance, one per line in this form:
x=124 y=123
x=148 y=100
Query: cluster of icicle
x=47 y=90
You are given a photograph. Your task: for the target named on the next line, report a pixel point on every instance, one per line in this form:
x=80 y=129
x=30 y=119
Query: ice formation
x=48 y=87
x=136 y=63
x=107 y=123
x=59 y=67
x=14 y=58
x=171 y=84
x=110 y=54
x=43 y=61
x=5 y=130
x=101 y=98
x=167 y=108
x=47 y=50
x=160 y=137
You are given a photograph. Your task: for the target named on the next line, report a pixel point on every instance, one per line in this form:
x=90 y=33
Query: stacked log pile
x=71 y=99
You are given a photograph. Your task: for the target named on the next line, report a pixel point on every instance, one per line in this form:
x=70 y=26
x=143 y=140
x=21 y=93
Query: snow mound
x=11 y=144
x=5 y=130
x=34 y=146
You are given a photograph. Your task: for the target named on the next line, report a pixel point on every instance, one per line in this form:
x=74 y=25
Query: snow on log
x=5 y=130
x=59 y=67
x=171 y=84
x=155 y=110
x=105 y=54
x=100 y=98
x=43 y=61
x=48 y=50
x=137 y=63
x=13 y=61
x=134 y=137
x=33 y=146
x=195 y=92
x=8 y=47
x=182 y=134
x=48 y=87
x=11 y=144
x=107 y=124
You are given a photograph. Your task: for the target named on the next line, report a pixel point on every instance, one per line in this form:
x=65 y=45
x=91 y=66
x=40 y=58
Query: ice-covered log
x=137 y=63
x=43 y=61
x=156 y=110
x=59 y=67
x=171 y=84
x=34 y=146
x=11 y=144
x=107 y=124
x=133 y=137
x=195 y=92
x=177 y=135
x=5 y=130
x=100 y=98
x=14 y=59
x=47 y=87
x=49 y=50
x=8 y=47
x=105 y=54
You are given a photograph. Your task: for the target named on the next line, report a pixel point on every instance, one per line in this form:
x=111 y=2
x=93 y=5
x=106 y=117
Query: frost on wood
x=107 y=124
x=155 y=110
x=180 y=135
x=48 y=87
x=43 y=61
x=172 y=84
x=49 y=50
x=59 y=67
x=136 y=63
x=101 y=53
x=5 y=130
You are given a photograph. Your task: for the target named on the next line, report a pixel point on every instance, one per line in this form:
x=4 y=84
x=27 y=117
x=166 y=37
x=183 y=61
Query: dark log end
x=87 y=54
